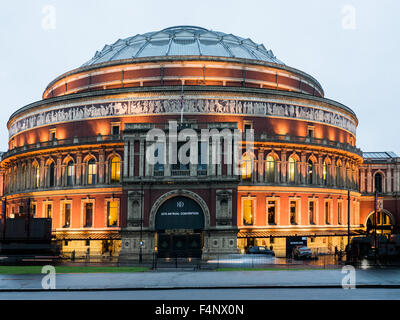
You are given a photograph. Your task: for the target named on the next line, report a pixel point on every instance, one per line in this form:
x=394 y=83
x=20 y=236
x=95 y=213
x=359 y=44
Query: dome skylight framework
x=183 y=41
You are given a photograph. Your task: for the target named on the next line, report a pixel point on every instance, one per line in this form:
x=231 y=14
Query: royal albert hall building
x=79 y=155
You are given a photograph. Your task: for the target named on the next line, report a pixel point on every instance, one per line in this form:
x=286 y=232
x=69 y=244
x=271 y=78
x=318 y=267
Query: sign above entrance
x=180 y=213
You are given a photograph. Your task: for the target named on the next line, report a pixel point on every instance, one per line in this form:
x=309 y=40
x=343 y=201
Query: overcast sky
x=351 y=47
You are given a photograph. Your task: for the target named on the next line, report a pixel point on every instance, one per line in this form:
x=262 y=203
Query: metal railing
x=63 y=142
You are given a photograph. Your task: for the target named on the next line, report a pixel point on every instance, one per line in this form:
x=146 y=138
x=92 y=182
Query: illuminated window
x=247 y=167
x=33 y=209
x=112 y=213
x=293 y=212
x=70 y=173
x=52 y=134
x=49 y=210
x=270 y=169
x=88 y=210
x=271 y=212
x=325 y=173
x=92 y=171
x=310 y=172
x=115 y=169
x=327 y=212
x=340 y=212
x=292 y=170
x=311 y=212
x=36 y=176
x=248 y=212
x=67 y=215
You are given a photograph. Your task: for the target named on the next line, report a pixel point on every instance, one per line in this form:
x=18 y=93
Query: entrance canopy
x=179 y=213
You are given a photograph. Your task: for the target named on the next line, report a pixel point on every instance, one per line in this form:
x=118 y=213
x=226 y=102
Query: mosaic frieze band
x=139 y=107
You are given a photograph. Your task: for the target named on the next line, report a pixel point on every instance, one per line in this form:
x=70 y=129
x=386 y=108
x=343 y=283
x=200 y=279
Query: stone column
x=283 y=167
x=369 y=180
x=303 y=168
x=131 y=166
x=389 y=179
x=261 y=165
x=362 y=179
x=319 y=170
x=42 y=172
x=78 y=167
x=59 y=170
x=141 y=158
x=102 y=178
x=126 y=153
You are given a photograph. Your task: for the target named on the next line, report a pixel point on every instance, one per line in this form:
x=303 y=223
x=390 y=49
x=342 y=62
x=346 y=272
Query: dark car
x=260 y=250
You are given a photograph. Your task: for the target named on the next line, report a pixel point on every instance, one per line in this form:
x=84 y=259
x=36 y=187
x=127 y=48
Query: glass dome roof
x=183 y=41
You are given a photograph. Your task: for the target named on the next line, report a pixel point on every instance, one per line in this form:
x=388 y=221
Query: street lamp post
x=375 y=222
x=348 y=225
x=141 y=225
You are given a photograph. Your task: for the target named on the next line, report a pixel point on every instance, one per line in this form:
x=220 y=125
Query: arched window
x=378 y=182
x=247 y=167
x=70 y=173
x=292 y=170
x=35 y=176
x=310 y=171
x=325 y=173
x=384 y=223
x=91 y=171
x=270 y=169
x=338 y=173
x=115 y=165
x=51 y=175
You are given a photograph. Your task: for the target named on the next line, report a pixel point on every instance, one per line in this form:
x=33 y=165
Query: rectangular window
x=311 y=212
x=33 y=209
x=67 y=215
x=88 y=214
x=310 y=131
x=248 y=212
x=112 y=213
x=271 y=212
x=52 y=134
x=92 y=172
x=327 y=212
x=48 y=210
x=340 y=212
x=115 y=130
x=293 y=212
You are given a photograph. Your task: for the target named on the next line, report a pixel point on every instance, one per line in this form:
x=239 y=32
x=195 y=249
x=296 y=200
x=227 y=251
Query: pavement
x=370 y=278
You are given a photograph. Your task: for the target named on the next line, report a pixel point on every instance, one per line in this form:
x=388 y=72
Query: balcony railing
x=63 y=142
x=180 y=172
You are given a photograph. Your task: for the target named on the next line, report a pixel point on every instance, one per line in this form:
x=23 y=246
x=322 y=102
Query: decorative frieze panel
x=54 y=115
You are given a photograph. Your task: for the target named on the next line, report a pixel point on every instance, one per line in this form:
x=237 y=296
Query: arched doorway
x=179 y=222
x=384 y=222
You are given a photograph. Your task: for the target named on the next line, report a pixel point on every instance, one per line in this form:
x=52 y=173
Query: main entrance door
x=179 y=224
x=179 y=245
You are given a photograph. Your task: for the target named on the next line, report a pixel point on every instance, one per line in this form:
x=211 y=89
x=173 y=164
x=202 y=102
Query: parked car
x=302 y=253
x=260 y=250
